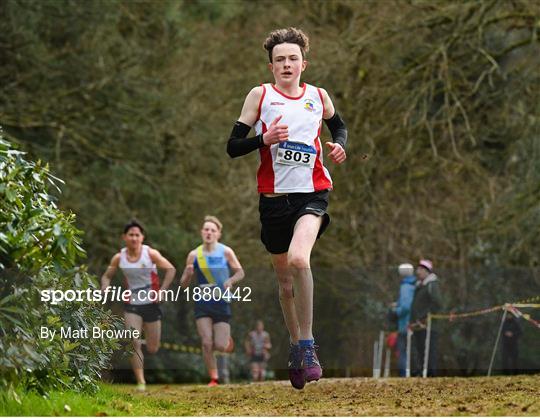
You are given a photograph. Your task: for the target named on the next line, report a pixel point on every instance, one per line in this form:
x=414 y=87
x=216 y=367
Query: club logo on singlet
x=309 y=105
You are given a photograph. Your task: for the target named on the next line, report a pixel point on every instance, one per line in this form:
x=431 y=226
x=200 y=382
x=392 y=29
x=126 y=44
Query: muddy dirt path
x=518 y=395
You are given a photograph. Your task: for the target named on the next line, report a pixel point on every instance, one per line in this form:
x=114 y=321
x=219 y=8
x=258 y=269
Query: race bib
x=296 y=153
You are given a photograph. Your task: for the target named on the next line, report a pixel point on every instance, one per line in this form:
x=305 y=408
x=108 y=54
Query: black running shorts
x=218 y=312
x=258 y=358
x=279 y=215
x=149 y=313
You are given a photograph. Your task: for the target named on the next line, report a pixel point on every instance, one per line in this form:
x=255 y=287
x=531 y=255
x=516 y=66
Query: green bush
x=39 y=249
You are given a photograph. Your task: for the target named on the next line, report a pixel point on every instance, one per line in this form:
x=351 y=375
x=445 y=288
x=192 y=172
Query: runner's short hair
x=133 y=223
x=289 y=35
x=214 y=220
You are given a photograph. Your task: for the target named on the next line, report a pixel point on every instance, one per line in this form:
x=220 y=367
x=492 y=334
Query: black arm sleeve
x=338 y=130
x=238 y=144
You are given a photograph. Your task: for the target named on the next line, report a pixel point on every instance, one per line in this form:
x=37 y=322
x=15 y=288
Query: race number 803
x=297 y=156
x=216 y=294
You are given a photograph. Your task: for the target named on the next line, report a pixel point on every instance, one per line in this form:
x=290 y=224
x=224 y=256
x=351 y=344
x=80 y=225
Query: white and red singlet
x=294 y=166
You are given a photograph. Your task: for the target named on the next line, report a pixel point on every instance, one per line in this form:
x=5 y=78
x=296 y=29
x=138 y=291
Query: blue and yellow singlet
x=212 y=269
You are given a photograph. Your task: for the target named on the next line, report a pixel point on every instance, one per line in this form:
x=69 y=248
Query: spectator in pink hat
x=427 y=299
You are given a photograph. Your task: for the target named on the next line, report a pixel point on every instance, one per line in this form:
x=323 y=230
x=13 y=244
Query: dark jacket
x=511 y=325
x=427 y=298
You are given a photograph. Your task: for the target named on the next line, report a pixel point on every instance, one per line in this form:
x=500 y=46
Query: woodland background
x=132 y=102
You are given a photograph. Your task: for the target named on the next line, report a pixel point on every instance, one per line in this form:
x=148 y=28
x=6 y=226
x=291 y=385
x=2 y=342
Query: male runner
x=139 y=265
x=293 y=183
x=258 y=347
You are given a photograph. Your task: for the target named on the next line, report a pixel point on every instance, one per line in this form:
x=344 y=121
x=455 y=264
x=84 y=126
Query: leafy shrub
x=39 y=249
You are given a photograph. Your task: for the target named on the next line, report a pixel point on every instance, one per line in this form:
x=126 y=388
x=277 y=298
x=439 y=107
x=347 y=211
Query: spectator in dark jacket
x=511 y=332
x=402 y=309
x=427 y=299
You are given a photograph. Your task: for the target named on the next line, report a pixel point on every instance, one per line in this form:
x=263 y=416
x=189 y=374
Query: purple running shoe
x=311 y=365
x=296 y=373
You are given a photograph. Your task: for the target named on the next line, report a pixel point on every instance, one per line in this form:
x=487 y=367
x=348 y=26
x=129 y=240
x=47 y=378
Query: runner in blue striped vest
x=212 y=263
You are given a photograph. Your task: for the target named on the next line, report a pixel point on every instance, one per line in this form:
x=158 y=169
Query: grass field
x=512 y=396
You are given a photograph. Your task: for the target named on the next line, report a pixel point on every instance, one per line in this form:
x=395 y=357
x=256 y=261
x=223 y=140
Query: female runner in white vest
x=292 y=182
x=139 y=264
